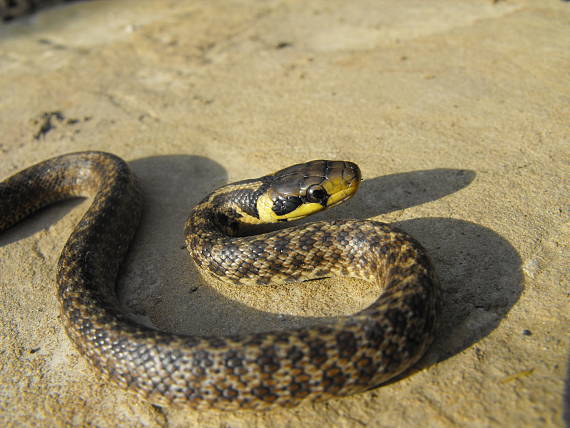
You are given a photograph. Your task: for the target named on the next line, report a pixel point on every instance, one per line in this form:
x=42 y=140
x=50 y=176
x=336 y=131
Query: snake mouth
x=343 y=184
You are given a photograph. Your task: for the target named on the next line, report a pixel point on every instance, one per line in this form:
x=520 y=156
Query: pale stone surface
x=457 y=112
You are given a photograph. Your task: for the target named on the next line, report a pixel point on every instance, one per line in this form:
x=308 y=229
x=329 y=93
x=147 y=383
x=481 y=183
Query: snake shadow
x=384 y=194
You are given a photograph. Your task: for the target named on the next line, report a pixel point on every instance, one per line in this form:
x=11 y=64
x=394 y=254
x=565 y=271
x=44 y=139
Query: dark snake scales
x=344 y=356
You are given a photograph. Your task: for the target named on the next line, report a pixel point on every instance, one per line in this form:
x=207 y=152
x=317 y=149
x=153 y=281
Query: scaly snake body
x=344 y=356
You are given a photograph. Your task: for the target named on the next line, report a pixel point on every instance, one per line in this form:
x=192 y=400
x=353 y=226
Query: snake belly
x=257 y=371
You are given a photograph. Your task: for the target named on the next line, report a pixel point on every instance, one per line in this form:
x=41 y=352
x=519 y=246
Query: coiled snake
x=344 y=356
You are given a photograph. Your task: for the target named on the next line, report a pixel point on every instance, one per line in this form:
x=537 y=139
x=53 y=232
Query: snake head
x=304 y=189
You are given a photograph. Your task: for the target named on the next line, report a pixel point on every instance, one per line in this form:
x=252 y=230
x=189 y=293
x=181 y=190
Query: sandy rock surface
x=458 y=114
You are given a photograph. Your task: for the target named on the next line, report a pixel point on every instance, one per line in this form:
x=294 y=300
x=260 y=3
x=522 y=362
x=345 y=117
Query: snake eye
x=284 y=205
x=317 y=194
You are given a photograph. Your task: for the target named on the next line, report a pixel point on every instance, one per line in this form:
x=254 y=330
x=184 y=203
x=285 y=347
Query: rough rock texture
x=458 y=114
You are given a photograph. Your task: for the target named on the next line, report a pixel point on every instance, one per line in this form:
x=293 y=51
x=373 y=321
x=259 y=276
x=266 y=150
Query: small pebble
x=531 y=268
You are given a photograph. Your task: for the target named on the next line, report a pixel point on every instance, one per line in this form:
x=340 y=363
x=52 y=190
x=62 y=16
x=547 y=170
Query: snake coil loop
x=344 y=356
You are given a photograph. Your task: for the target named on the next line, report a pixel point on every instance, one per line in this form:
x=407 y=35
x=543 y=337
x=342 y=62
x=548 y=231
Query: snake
x=337 y=357
x=12 y=9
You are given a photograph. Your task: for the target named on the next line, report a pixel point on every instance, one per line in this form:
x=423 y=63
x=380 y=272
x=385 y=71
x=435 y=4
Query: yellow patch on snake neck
x=267 y=215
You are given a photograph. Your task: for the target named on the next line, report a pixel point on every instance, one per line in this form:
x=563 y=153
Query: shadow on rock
x=480 y=275
x=381 y=195
x=159 y=276
x=38 y=221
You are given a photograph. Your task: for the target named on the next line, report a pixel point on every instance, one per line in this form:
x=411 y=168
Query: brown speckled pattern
x=258 y=370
